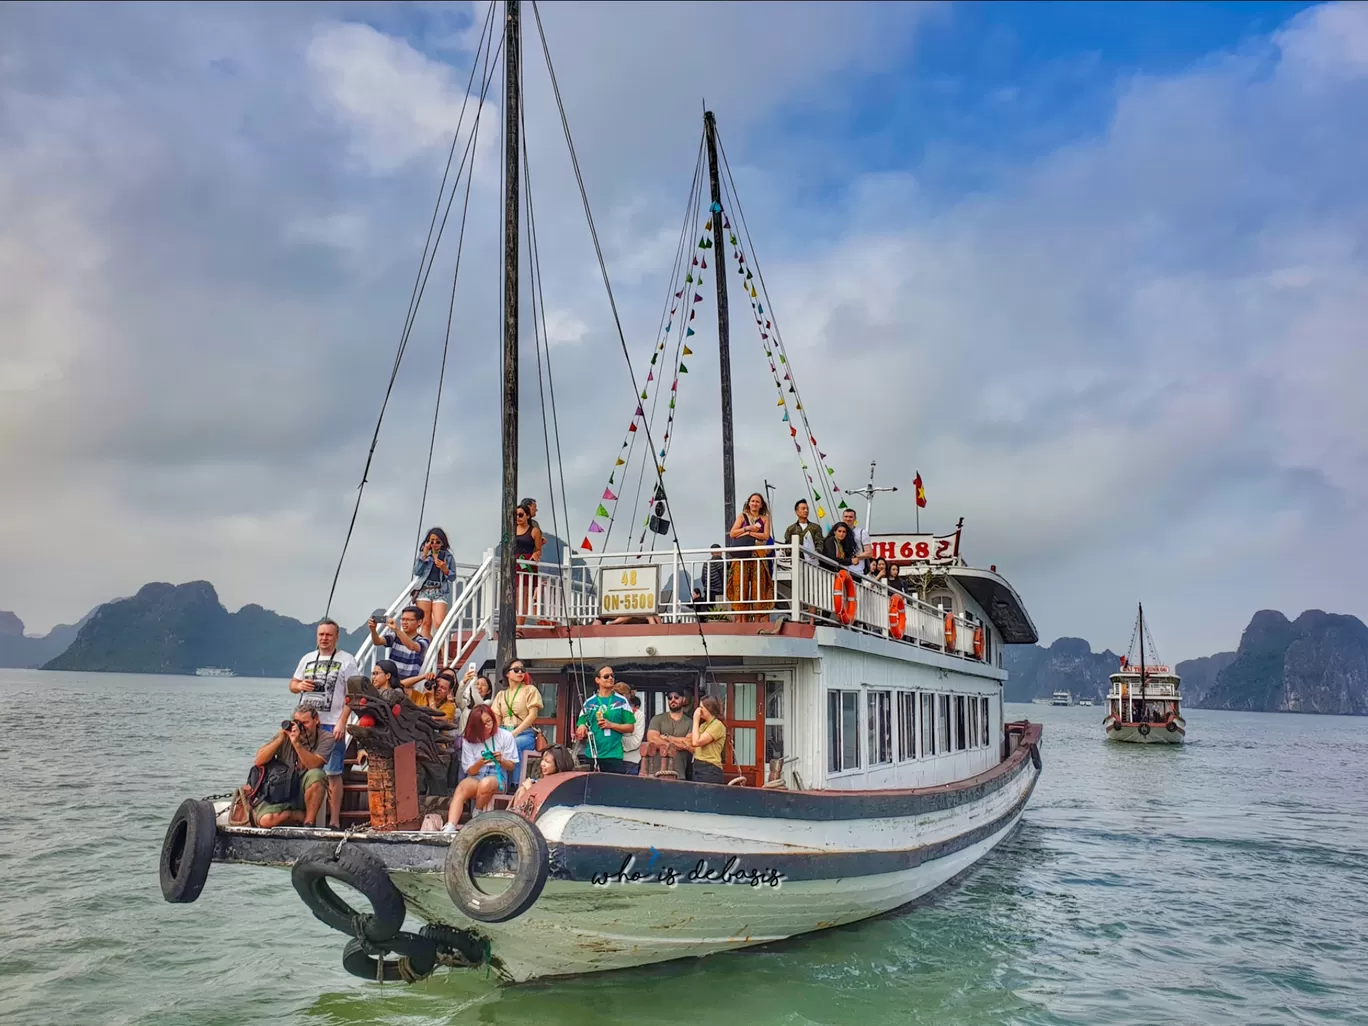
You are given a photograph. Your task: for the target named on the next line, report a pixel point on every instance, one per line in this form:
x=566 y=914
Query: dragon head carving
x=388 y=718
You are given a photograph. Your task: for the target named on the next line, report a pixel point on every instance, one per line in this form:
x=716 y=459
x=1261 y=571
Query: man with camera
x=302 y=747
x=320 y=681
x=407 y=647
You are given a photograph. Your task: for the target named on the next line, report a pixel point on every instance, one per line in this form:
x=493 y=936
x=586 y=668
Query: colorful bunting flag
x=688 y=332
x=688 y=351
x=601 y=512
x=609 y=496
x=682 y=370
x=595 y=529
x=586 y=546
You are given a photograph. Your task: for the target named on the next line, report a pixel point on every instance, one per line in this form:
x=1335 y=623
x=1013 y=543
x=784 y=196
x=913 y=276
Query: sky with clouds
x=1099 y=273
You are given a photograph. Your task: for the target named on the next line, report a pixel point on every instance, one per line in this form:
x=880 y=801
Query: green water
x=1225 y=881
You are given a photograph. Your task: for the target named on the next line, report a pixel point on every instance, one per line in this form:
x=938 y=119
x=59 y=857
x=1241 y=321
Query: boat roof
x=1000 y=601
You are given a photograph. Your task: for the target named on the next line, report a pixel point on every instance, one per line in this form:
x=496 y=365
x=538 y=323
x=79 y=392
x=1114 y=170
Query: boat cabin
x=1156 y=701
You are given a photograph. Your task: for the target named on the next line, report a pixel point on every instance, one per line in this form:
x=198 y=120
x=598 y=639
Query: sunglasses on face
x=516 y=669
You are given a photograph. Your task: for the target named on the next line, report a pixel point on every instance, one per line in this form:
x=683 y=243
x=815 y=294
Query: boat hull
x=1157 y=734
x=644 y=871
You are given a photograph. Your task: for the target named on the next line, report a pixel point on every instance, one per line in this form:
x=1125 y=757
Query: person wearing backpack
x=289 y=789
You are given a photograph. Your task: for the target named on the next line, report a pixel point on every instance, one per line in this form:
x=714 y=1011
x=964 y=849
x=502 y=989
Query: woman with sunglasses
x=487 y=757
x=527 y=546
x=437 y=568
x=517 y=707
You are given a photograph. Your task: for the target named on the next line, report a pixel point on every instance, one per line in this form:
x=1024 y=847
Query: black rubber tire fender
x=1144 y=729
x=358 y=869
x=421 y=953
x=1035 y=757
x=528 y=880
x=187 y=851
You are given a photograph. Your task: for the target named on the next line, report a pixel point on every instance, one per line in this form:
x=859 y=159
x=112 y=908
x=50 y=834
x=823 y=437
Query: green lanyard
x=509 y=699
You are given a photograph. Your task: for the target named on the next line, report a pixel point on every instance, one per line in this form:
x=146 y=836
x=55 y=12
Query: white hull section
x=581 y=928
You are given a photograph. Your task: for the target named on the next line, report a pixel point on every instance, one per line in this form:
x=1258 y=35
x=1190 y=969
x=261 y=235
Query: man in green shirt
x=605 y=718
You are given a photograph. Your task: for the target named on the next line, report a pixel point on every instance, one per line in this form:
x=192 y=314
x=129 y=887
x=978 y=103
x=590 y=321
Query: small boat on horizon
x=1062 y=698
x=1143 y=705
x=215 y=671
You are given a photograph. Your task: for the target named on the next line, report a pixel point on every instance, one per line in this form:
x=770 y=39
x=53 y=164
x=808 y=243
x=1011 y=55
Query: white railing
x=366 y=650
x=471 y=613
x=735 y=584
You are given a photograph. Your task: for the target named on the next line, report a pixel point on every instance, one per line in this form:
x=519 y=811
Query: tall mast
x=723 y=328
x=508 y=630
x=1142 y=658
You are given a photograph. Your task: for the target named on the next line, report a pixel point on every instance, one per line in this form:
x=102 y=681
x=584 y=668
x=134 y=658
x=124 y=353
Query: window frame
x=907 y=725
x=961 y=715
x=836 y=738
x=876 y=718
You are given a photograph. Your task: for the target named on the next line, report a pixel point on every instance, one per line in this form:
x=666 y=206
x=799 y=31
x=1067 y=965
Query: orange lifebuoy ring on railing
x=897 y=616
x=978 y=642
x=949 y=631
x=843 y=597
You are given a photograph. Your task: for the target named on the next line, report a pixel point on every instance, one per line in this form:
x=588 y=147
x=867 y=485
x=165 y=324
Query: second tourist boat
x=1143 y=705
x=868 y=760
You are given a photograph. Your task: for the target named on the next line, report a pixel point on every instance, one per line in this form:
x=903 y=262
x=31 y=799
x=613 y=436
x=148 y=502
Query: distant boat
x=1143 y=703
x=215 y=671
x=1061 y=698
x=1085 y=701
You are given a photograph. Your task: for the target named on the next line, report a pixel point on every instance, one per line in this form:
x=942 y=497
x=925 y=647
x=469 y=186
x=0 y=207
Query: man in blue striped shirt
x=407 y=647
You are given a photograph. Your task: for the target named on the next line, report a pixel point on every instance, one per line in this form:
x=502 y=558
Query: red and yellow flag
x=921 y=492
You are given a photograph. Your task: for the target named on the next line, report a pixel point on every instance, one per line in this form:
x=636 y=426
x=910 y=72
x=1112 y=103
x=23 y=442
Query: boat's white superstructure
x=1061 y=698
x=215 y=671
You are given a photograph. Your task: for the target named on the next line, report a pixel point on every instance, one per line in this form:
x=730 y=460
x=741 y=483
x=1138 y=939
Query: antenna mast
x=868 y=492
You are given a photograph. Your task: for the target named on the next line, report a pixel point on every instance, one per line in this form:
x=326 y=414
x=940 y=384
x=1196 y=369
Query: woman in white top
x=631 y=743
x=488 y=756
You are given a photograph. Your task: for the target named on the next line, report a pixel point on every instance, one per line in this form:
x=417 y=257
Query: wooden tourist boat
x=1143 y=705
x=869 y=757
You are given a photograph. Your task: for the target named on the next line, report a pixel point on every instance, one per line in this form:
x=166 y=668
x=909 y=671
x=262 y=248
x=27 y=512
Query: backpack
x=272 y=784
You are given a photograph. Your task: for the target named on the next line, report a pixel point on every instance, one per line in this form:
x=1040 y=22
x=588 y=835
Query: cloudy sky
x=1099 y=273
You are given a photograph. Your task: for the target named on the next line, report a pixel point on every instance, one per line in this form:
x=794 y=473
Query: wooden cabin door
x=743 y=710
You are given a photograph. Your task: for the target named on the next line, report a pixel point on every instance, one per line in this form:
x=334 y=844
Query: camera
x=287 y=725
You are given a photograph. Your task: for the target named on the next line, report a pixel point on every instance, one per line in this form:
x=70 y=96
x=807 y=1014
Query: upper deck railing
x=735 y=584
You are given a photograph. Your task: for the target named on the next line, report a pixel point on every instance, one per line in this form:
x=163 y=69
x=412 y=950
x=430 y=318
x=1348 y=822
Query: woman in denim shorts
x=436 y=568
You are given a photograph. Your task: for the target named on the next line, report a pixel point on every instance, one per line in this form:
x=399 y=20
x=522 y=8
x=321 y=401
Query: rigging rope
x=416 y=298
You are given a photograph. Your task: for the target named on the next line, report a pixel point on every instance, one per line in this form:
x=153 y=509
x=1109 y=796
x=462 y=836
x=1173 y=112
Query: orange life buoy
x=949 y=631
x=978 y=642
x=897 y=616
x=843 y=597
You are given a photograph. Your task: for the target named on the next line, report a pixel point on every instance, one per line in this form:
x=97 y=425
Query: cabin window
x=843 y=730
x=774 y=719
x=880 y=727
x=928 y=725
x=961 y=733
x=973 y=722
x=985 y=722
x=943 y=722
x=942 y=600
x=907 y=725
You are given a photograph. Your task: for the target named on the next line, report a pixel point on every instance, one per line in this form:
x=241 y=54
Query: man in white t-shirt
x=320 y=681
x=863 y=548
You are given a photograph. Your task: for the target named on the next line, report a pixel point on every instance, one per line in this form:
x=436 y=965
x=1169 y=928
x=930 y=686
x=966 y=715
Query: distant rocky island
x=1317 y=663
x=167 y=628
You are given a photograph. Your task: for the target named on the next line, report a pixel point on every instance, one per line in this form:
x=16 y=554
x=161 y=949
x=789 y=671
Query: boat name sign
x=628 y=590
x=925 y=548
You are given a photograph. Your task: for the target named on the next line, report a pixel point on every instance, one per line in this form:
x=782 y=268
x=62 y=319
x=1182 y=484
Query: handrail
x=472 y=595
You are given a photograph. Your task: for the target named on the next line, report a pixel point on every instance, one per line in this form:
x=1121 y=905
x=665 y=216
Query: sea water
x=1222 y=881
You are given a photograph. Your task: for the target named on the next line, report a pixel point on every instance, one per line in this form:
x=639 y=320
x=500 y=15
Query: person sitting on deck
x=605 y=718
x=674 y=729
x=438 y=698
x=556 y=759
x=517 y=707
x=407 y=647
x=708 y=736
x=320 y=681
x=488 y=756
x=304 y=750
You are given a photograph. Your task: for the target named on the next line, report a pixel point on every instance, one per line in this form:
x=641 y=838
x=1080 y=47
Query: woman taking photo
x=436 y=568
x=517 y=707
x=750 y=583
x=708 y=736
x=487 y=757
